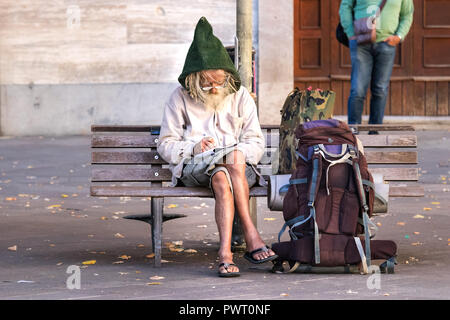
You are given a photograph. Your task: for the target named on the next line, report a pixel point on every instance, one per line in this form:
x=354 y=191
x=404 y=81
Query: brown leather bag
x=365 y=28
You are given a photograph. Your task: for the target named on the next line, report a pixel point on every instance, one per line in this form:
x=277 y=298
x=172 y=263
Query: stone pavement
x=49 y=223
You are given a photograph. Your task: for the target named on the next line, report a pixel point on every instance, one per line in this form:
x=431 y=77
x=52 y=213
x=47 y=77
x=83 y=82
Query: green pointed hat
x=207 y=52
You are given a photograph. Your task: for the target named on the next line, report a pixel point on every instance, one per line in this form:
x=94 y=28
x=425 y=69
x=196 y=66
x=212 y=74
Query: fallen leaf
x=117 y=262
x=11 y=199
x=118 y=235
x=284 y=294
x=418 y=216
x=202 y=226
x=89 y=262
x=157 y=278
x=401 y=223
x=124 y=257
x=104 y=218
x=151 y=255
x=190 y=251
x=175 y=249
x=269 y=219
x=436 y=202
x=13 y=248
x=153 y=283
x=416 y=243
x=64 y=196
x=170 y=206
x=426 y=209
x=177 y=243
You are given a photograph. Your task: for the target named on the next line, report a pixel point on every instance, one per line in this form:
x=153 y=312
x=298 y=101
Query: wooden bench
x=125 y=158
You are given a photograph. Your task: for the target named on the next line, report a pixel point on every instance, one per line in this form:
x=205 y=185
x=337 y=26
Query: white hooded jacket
x=185 y=122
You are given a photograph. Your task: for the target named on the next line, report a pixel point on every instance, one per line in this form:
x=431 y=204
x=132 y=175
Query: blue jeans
x=371 y=63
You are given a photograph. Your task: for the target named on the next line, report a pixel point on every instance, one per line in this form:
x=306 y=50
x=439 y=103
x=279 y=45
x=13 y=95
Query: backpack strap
x=344 y=157
x=285 y=188
x=292 y=223
x=313 y=188
x=361 y=253
x=365 y=207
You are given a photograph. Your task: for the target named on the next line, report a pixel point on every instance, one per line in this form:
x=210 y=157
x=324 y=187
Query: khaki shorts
x=250 y=174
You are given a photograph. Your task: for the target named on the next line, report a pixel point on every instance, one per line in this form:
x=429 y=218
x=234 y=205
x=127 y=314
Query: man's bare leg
x=235 y=163
x=224 y=214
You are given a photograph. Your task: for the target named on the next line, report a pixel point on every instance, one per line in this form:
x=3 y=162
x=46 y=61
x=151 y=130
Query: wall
x=275 y=58
x=65 y=65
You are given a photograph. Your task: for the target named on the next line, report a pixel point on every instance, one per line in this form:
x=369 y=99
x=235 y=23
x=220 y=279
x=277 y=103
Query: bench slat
x=406 y=191
x=382 y=141
x=123 y=128
x=272 y=141
x=146 y=128
x=129 y=191
x=397 y=174
x=142 y=191
x=130 y=174
x=383 y=127
x=391 y=157
x=127 y=157
x=164 y=174
x=147 y=141
x=152 y=157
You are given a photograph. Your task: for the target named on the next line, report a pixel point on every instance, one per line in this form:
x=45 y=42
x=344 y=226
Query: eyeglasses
x=223 y=85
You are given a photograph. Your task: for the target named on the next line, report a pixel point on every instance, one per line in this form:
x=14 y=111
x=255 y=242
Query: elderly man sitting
x=211 y=110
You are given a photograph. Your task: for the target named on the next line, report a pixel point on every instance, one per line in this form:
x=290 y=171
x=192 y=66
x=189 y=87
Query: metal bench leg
x=237 y=236
x=157 y=207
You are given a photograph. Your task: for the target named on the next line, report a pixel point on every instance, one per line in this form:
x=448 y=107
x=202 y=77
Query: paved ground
x=49 y=223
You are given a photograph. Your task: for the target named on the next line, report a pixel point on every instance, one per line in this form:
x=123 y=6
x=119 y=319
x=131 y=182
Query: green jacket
x=395 y=19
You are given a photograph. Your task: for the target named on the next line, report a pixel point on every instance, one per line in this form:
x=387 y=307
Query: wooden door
x=420 y=78
x=311 y=38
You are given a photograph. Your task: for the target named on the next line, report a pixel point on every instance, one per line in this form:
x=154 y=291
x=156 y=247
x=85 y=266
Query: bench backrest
x=127 y=154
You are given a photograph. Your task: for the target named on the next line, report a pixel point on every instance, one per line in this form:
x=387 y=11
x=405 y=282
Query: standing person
x=373 y=62
x=209 y=110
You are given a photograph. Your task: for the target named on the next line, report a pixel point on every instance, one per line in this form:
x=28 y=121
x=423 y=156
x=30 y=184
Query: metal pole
x=244 y=32
x=243 y=53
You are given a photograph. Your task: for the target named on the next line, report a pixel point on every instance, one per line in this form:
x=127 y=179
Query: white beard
x=216 y=102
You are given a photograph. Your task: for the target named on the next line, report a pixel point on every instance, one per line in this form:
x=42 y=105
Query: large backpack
x=329 y=202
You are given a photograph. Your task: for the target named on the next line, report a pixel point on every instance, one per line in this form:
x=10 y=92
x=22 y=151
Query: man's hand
x=392 y=40
x=203 y=145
